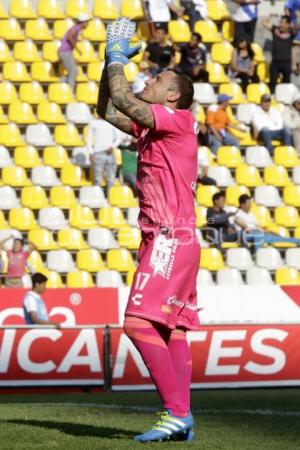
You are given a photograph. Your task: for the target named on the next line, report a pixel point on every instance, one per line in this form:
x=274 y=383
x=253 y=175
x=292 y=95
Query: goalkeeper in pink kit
x=162 y=304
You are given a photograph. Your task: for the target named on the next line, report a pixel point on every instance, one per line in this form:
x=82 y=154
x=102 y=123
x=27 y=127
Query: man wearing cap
x=291 y=119
x=218 y=121
x=268 y=124
x=68 y=44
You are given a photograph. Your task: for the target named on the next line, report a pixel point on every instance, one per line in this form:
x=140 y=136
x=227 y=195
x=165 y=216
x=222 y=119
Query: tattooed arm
x=107 y=111
x=125 y=101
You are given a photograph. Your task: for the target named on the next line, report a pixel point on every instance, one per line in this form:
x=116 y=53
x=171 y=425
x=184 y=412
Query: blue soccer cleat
x=169 y=427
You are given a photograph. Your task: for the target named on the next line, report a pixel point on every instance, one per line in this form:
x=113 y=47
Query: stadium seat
x=5 y=54
x=287 y=276
x=87 y=52
x=60 y=260
x=8 y=93
x=256 y=276
x=75 y=7
x=60 y=27
x=111 y=217
x=285 y=93
x=268 y=258
x=262 y=215
x=22 y=219
x=94 y=71
x=263 y=71
x=10 y=135
x=34 y=197
x=89 y=260
x=92 y=196
x=50 y=9
x=204 y=195
x=44 y=176
x=233 y=90
x=3 y=12
x=291 y=195
x=50 y=112
x=15 y=71
x=132 y=9
x=21 y=113
x=221 y=52
x=74 y=176
x=10 y=30
x=105 y=9
x=43 y=239
x=109 y=278
x=71 y=239
x=3 y=117
x=208 y=30
x=132 y=216
x=239 y=258
x=204 y=93
x=53 y=279
x=292 y=257
x=258 y=52
x=55 y=156
x=43 y=72
x=233 y=194
x=26 y=51
x=50 y=51
x=21 y=9
x=129 y=276
x=267 y=196
x=62 y=196
x=200 y=212
x=79 y=279
x=38 y=135
x=255 y=91
x=248 y=176
x=296 y=175
x=121 y=196
x=3 y=223
x=286 y=156
x=35 y=262
x=38 y=30
x=179 y=31
x=15 y=176
x=221 y=174
x=245 y=112
x=101 y=239
x=9 y=198
x=78 y=113
x=211 y=259
x=5 y=159
x=276 y=176
x=217 y=10
x=87 y=93
x=204 y=278
x=60 y=93
x=216 y=73
x=119 y=259
x=131 y=71
x=95 y=31
x=258 y=156
x=229 y=277
x=82 y=217
x=31 y=93
x=281 y=231
x=129 y=237
x=287 y=216
x=229 y=156
x=52 y=218
x=67 y=135
x=81 y=156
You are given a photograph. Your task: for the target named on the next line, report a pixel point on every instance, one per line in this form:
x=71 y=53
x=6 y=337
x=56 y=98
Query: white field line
x=148 y=409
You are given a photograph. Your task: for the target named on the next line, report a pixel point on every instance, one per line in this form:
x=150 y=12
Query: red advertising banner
x=51 y=357
x=223 y=356
x=97 y=306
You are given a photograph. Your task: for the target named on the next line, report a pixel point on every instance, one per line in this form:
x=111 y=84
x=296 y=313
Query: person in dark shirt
x=219 y=229
x=283 y=37
x=193 y=59
x=160 y=54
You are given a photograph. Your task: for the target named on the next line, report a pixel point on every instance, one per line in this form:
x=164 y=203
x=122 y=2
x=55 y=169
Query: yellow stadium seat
x=71 y=239
x=297 y=232
x=60 y=93
x=101 y=52
x=286 y=156
x=87 y=92
x=287 y=276
x=248 y=176
x=10 y=135
x=26 y=156
x=287 y=216
x=21 y=113
x=79 y=279
x=43 y=239
x=119 y=259
x=8 y=93
x=62 y=196
x=50 y=9
x=234 y=90
x=258 y=52
x=111 y=217
x=15 y=71
x=200 y=216
x=75 y=7
x=3 y=223
x=132 y=9
x=143 y=31
x=233 y=194
x=282 y=231
x=21 y=9
x=204 y=195
x=10 y=30
x=105 y=9
x=44 y=72
x=87 y=52
x=26 y=51
x=89 y=260
x=15 y=176
x=131 y=71
x=55 y=156
x=67 y=135
x=60 y=27
x=221 y=52
x=5 y=54
x=38 y=30
x=211 y=259
x=82 y=217
x=228 y=30
x=229 y=156
x=35 y=262
x=276 y=176
x=50 y=51
x=50 y=112
x=3 y=117
x=208 y=30
x=217 y=10
x=74 y=176
x=263 y=71
x=22 y=219
x=34 y=197
x=53 y=279
x=94 y=71
x=129 y=237
x=3 y=12
x=31 y=92
x=216 y=73
x=199 y=113
x=262 y=215
x=95 y=31
x=291 y=195
x=121 y=196
x=179 y=31
x=255 y=91
x=130 y=275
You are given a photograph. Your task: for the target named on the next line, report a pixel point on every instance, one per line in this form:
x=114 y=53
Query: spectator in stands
x=243 y=65
x=219 y=227
x=160 y=54
x=129 y=161
x=291 y=120
x=283 y=37
x=218 y=121
x=143 y=76
x=247 y=224
x=245 y=18
x=35 y=311
x=268 y=124
x=17 y=259
x=195 y=9
x=193 y=59
x=292 y=9
x=159 y=12
x=68 y=44
x=102 y=138
x=203 y=164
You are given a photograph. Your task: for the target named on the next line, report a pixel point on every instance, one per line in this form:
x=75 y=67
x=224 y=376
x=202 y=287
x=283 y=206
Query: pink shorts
x=164 y=285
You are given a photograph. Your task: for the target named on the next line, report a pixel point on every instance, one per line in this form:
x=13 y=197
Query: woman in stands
x=243 y=67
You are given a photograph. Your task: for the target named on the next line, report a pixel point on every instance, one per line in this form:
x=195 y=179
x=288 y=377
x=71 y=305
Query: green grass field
x=266 y=419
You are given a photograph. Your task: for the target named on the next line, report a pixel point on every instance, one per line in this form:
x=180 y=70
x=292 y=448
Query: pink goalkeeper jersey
x=167 y=170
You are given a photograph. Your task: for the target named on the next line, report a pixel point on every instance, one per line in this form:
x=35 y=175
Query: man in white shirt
x=102 y=138
x=159 y=11
x=245 y=18
x=268 y=124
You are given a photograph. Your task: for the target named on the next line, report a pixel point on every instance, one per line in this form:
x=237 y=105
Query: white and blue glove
x=118 y=47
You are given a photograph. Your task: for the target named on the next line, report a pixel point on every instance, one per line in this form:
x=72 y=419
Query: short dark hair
x=243 y=199
x=20 y=240
x=197 y=36
x=185 y=87
x=286 y=18
x=217 y=196
x=38 y=278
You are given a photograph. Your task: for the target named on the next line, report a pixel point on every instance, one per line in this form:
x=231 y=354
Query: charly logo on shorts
x=173 y=300
x=163 y=256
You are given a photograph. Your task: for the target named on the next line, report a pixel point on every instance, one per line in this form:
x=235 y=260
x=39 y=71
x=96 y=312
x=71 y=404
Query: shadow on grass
x=75 y=429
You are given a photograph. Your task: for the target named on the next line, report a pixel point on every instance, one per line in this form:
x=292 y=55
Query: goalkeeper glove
x=118 y=47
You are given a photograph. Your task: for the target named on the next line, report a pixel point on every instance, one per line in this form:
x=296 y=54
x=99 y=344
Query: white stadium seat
x=204 y=93
x=80 y=156
x=269 y=258
x=5 y=159
x=78 y=113
x=258 y=156
x=204 y=278
x=222 y=175
x=44 y=176
x=267 y=196
x=296 y=175
x=101 y=238
x=292 y=258
x=39 y=135
x=109 y=278
x=132 y=216
x=239 y=258
x=231 y=277
x=245 y=112
x=256 y=276
x=285 y=93
x=60 y=260
x=92 y=196
x=52 y=218
x=8 y=198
